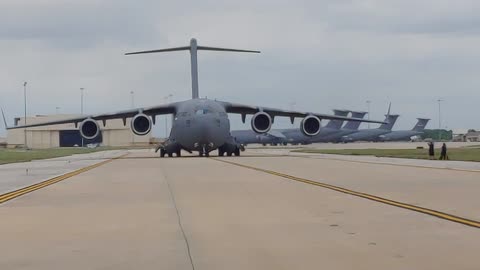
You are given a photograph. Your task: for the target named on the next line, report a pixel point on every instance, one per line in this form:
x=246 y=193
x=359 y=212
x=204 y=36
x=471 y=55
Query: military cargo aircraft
x=289 y=135
x=199 y=124
x=405 y=135
x=372 y=135
x=349 y=128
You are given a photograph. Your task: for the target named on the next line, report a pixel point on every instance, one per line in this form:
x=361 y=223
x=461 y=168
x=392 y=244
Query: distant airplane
x=199 y=124
x=349 y=128
x=246 y=137
x=373 y=134
x=405 y=135
x=290 y=135
x=295 y=136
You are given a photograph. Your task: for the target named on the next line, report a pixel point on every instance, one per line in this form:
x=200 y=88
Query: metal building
x=115 y=133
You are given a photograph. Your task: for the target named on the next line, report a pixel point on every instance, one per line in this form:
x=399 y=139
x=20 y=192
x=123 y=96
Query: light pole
x=81 y=105
x=439 y=119
x=368 y=108
x=81 y=100
x=25 y=115
x=132 y=96
x=165 y=99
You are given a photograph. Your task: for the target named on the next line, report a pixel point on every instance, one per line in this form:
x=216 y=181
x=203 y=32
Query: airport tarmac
x=367 y=145
x=143 y=212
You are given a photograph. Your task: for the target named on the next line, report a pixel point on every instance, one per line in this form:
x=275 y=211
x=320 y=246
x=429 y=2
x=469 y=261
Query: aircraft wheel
x=200 y=154
x=170 y=154
x=237 y=152
x=221 y=153
x=162 y=152
x=179 y=153
x=229 y=153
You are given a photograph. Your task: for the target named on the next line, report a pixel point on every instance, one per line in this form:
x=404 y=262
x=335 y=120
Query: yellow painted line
x=19 y=192
x=313 y=156
x=438 y=214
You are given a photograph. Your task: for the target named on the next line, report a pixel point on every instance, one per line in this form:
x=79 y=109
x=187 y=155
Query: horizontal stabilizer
x=205 y=48
x=421 y=124
x=185 y=48
x=193 y=49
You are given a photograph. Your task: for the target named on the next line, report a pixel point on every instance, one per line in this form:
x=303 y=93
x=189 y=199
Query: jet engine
x=261 y=122
x=141 y=124
x=310 y=125
x=89 y=129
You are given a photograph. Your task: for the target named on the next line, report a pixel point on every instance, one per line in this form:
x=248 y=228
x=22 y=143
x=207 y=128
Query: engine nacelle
x=141 y=124
x=310 y=125
x=89 y=129
x=261 y=122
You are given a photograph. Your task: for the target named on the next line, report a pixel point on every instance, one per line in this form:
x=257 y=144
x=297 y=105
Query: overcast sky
x=319 y=54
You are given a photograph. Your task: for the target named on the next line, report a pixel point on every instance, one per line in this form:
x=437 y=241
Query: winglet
x=4 y=120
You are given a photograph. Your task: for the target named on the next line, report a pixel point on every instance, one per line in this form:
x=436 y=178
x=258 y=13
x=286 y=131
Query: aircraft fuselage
x=200 y=125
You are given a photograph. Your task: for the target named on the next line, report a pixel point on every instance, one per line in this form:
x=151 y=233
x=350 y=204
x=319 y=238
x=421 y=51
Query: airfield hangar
x=115 y=133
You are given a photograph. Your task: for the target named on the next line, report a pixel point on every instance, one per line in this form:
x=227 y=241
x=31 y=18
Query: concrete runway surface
x=141 y=212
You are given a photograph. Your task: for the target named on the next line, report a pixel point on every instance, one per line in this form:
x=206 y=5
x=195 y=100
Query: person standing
x=443 y=153
x=431 y=150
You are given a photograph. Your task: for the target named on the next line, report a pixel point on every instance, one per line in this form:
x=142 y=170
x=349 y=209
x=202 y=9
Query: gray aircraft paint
x=337 y=124
x=353 y=125
x=349 y=128
x=406 y=135
x=199 y=124
x=291 y=135
x=372 y=134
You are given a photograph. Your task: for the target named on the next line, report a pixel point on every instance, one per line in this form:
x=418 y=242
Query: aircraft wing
x=246 y=109
x=150 y=111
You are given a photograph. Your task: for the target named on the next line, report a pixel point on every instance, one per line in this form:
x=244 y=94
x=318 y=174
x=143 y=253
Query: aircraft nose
x=209 y=132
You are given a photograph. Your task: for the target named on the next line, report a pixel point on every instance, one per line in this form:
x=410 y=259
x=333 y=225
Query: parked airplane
x=372 y=134
x=199 y=124
x=405 y=135
x=295 y=136
x=349 y=128
x=290 y=135
x=246 y=137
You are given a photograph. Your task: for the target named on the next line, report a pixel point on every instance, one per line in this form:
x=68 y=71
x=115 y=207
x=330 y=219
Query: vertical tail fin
x=421 y=124
x=354 y=125
x=390 y=121
x=4 y=119
x=193 y=48
x=337 y=124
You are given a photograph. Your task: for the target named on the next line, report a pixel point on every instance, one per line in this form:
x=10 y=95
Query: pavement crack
x=179 y=219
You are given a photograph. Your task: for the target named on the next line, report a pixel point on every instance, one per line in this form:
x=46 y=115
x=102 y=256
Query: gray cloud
x=321 y=54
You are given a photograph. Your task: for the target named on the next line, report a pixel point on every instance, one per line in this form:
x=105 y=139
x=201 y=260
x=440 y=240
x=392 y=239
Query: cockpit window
x=202 y=111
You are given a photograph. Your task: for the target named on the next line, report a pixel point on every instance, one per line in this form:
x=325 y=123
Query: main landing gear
x=222 y=152
x=163 y=152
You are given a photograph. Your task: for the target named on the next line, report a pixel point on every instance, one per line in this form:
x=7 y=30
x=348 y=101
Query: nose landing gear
x=203 y=152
